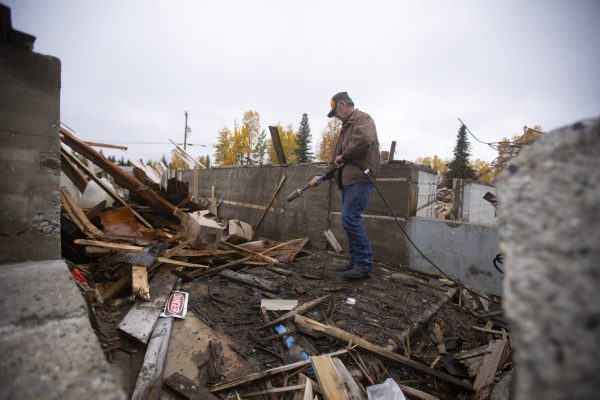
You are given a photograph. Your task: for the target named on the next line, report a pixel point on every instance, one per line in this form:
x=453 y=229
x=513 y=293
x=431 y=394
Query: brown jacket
x=359 y=147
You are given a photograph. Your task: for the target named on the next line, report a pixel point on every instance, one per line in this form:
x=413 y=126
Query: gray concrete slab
x=49 y=350
x=32 y=293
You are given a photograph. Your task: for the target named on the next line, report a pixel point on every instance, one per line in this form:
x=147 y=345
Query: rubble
x=265 y=318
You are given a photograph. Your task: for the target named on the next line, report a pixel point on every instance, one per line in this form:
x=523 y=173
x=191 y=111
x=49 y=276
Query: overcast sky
x=131 y=68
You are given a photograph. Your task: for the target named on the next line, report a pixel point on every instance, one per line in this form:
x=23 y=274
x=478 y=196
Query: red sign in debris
x=176 y=305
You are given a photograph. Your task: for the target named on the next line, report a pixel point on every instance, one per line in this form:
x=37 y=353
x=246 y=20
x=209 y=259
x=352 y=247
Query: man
x=356 y=150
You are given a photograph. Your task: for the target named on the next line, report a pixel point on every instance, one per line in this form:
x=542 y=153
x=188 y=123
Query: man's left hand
x=338 y=160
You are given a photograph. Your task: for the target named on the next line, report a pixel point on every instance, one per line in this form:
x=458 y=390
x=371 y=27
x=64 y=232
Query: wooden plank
x=331 y=384
x=213 y=202
x=296 y=311
x=103 y=185
x=249 y=280
x=378 y=350
x=392 y=151
x=121 y=177
x=105 y=145
x=307 y=392
x=417 y=394
x=354 y=390
x=492 y=360
x=275 y=193
x=139 y=322
x=211 y=271
x=77 y=215
x=116 y=287
x=264 y=374
x=139 y=282
x=149 y=380
x=253 y=206
x=73 y=173
x=196 y=186
x=276 y=140
x=332 y=241
x=253 y=254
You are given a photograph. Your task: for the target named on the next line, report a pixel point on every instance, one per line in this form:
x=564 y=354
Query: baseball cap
x=341 y=96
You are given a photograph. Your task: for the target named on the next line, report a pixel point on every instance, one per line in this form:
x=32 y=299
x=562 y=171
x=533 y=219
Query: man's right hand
x=315 y=181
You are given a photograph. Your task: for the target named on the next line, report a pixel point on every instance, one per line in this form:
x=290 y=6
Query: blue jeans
x=354 y=201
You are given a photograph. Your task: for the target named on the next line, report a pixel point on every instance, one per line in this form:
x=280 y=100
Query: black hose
x=366 y=172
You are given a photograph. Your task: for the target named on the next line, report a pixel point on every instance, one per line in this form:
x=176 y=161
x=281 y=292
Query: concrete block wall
x=473 y=207
x=465 y=251
x=29 y=155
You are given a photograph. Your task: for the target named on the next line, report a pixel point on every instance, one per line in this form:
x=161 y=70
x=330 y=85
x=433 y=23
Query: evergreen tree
x=303 y=153
x=459 y=167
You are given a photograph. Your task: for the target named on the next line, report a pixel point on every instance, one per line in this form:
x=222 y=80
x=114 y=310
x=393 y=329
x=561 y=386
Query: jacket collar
x=350 y=118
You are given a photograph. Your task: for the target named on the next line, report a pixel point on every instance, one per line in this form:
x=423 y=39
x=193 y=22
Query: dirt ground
x=395 y=307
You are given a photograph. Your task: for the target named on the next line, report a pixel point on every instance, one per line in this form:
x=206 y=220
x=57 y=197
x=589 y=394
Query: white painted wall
x=427 y=190
x=474 y=207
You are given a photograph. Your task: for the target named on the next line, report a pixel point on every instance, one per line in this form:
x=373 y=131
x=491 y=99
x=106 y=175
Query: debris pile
x=264 y=318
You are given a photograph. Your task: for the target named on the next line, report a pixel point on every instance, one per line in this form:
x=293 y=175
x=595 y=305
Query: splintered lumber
x=149 y=380
x=73 y=173
x=438 y=338
x=121 y=177
x=139 y=282
x=296 y=311
x=331 y=383
x=211 y=271
x=245 y=252
x=186 y=156
x=276 y=140
x=264 y=374
x=307 y=392
x=332 y=241
x=353 y=388
x=77 y=215
x=274 y=390
x=103 y=185
x=275 y=193
x=378 y=350
x=249 y=280
x=106 y=145
x=131 y=248
x=139 y=322
x=492 y=361
x=297 y=250
x=416 y=393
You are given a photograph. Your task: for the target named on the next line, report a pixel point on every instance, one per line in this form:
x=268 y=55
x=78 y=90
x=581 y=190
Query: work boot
x=346 y=267
x=355 y=273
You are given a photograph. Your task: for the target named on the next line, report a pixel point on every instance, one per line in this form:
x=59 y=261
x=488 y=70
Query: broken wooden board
x=121 y=177
x=139 y=322
x=278 y=304
x=249 y=280
x=78 y=216
x=149 y=380
x=139 y=282
x=376 y=349
x=121 y=222
x=264 y=374
x=352 y=388
x=273 y=197
x=331 y=383
x=332 y=241
x=103 y=185
x=495 y=355
x=296 y=311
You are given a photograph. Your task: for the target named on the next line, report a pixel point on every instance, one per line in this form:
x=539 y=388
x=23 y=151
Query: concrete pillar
x=550 y=235
x=29 y=155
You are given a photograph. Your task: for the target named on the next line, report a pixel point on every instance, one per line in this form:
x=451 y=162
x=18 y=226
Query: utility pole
x=185 y=132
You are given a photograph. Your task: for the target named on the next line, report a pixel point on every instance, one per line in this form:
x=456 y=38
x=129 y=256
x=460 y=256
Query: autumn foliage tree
x=329 y=137
x=238 y=147
x=176 y=161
